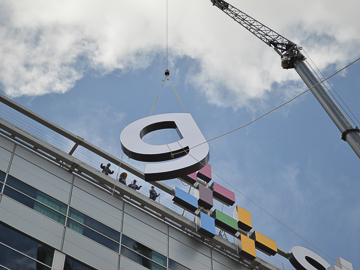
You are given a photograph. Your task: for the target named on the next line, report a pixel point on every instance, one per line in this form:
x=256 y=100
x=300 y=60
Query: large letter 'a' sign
x=183 y=157
x=304 y=259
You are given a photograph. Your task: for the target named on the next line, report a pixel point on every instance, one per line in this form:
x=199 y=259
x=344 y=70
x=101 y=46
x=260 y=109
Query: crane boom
x=291 y=57
x=287 y=49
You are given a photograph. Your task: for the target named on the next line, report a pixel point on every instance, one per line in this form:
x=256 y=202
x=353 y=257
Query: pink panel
x=191 y=178
x=205 y=173
x=223 y=194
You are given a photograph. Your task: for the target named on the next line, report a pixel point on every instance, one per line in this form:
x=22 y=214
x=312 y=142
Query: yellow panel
x=243 y=217
x=268 y=245
x=247 y=247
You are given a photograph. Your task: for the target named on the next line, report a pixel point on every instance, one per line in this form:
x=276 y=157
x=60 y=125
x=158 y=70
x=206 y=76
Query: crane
x=291 y=57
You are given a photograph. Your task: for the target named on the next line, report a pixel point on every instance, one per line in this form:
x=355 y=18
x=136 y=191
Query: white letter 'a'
x=186 y=156
x=304 y=259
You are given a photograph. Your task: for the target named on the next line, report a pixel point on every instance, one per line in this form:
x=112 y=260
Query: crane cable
x=167 y=72
x=167 y=34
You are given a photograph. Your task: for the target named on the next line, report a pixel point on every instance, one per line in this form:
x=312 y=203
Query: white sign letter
x=304 y=259
x=185 y=156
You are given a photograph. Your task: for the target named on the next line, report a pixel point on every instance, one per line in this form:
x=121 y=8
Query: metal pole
x=352 y=136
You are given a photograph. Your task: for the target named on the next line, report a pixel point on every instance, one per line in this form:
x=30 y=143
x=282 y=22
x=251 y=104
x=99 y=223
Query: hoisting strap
x=166 y=78
x=158 y=95
x=176 y=94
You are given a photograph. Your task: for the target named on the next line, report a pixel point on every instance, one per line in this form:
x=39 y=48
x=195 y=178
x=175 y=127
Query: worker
x=134 y=186
x=122 y=178
x=106 y=170
x=153 y=194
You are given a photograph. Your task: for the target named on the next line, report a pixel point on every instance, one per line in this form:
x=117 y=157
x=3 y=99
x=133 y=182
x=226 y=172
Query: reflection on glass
x=25 y=245
x=176 y=266
x=144 y=250
x=93 y=235
x=92 y=223
x=14 y=260
x=140 y=259
x=71 y=264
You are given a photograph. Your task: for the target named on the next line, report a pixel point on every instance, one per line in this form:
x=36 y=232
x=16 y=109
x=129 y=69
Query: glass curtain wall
x=18 y=251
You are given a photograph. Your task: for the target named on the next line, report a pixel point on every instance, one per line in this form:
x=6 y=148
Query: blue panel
x=207 y=225
x=185 y=200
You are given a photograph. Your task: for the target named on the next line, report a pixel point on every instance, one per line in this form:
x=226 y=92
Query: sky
x=93 y=67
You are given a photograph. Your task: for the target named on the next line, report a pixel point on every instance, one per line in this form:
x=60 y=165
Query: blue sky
x=95 y=68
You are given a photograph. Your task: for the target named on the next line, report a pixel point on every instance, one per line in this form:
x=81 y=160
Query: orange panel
x=264 y=243
x=247 y=248
x=243 y=218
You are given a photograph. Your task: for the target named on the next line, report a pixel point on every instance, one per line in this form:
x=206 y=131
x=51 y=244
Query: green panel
x=223 y=218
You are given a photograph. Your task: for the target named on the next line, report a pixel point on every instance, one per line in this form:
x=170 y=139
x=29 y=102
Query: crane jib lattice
x=287 y=49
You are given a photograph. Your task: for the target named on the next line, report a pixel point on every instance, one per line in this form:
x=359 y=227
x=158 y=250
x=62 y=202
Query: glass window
x=93 y=235
x=96 y=225
x=71 y=264
x=42 y=255
x=14 y=260
x=140 y=259
x=51 y=204
x=2 y=176
x=21 y=198
x=2 y=179
x=143 y=250
x=21 y=186
x=176 y=266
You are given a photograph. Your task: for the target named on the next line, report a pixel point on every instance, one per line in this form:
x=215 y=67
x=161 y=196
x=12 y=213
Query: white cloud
x=47 y=46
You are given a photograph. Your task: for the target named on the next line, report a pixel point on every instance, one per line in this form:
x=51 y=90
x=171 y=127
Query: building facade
x=57 y=212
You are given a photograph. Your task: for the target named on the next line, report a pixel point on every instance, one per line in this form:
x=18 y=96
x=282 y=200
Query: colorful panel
x=225 y=222
x=205 y=225
x=243 y=218
x=223 y=194
x=205 y=197
x=246 y=247
x=205 y=173
x=191 y=178
x=185 y=200
x=264 y=243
